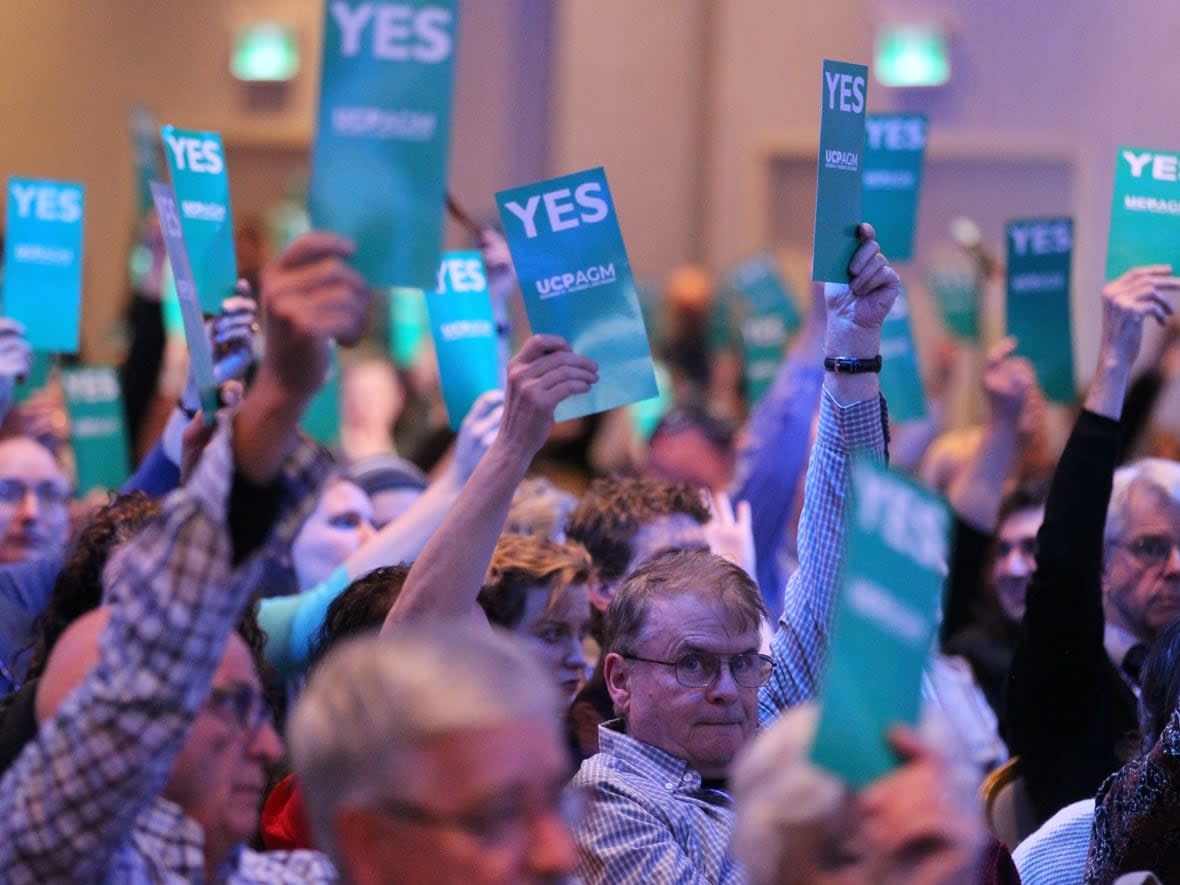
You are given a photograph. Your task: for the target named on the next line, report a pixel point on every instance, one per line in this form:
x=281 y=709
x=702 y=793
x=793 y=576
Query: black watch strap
x=851 y=365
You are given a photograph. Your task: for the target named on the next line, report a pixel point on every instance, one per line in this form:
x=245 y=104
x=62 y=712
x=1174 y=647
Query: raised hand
x=1007 y=382
x=730 y=533
x=478 y=430
x=1139 y=293
x=856 y=311
x=540 y=376
x=311 y=297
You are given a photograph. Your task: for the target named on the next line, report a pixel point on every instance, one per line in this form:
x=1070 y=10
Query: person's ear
x=616 y=671
x=601 y=593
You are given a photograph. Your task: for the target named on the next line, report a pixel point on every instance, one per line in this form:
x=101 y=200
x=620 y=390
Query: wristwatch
x=848 y=365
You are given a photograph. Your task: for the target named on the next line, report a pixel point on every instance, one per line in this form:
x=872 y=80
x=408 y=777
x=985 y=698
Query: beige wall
x=679 y=99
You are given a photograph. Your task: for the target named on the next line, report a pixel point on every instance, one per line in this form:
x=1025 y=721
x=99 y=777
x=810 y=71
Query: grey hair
x=1159 y=474
x=375 y=699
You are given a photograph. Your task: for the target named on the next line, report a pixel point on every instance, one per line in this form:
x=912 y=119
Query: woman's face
x=341 y=522
x=555 y=633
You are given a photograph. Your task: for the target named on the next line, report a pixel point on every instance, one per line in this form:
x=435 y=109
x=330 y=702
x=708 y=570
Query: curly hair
x=614 y=509
x=524 y=562
x=78 y=588
x=360 y=608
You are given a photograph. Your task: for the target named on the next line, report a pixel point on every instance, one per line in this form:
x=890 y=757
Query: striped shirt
x=648 y=820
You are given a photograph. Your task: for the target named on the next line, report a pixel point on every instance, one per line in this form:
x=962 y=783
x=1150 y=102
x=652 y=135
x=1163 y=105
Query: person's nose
x=1173 y=564
x=266 y=744
x=30 y=507
x=575 y=653
x=724 y=686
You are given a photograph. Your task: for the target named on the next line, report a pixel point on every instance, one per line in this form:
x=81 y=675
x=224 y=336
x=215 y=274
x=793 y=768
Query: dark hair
x=524 y=562
x=360 y=608
x=718 y=431
x=78 y=588
x=1159 y=684
x=1029 y=495
x=614 y=509
x=676 y=573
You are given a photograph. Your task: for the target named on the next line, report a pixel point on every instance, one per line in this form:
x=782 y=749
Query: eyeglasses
x=500 y=820
x=696 y=669
x=1150 y=550
x=242 y=703
x=47 y=492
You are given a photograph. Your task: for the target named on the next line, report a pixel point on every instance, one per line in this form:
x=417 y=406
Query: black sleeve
x=968 y=551
x=140 y=371
x=1059 y=704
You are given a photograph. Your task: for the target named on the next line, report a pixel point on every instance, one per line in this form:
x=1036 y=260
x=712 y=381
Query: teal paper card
x=1039 y=253
x=321 y=419
x=576 y=281
x=955 y=289
x=464 y=332
x=199 y=351
x=1145 y=211
x=895 y=554
x=378 y=171
x=409 y=325
x=894 y=147
x=901 y=377
x=196 y=161
x=98 y=434
x=838 y=174
x=145 y=148
x=43 y=261
x=768 y=316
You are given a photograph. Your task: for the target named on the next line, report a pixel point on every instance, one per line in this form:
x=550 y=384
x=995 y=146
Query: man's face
x=486 y=812
x=220 y=773
x=1142 y=568
x=34 y=502
x=555 y=633
x=341 y=522
x=1015 y=559
x=704 y=726
x=676 y=531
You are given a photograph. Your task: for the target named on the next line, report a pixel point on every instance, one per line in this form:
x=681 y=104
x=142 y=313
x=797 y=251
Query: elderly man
x=1107 y=576
x=451 y=767
x=147 y=770
x=682 y=657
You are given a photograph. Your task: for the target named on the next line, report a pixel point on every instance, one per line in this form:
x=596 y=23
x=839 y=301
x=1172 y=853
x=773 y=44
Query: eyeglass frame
x=720 y=659
x=60 y=497
x=493 y=826
x=245 y=705
x=1134 y=547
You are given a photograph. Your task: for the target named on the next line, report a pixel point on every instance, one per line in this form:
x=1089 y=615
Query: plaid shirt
x=648 y=821
x=82 y=804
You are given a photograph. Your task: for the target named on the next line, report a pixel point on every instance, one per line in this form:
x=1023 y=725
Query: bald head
x=74 y=655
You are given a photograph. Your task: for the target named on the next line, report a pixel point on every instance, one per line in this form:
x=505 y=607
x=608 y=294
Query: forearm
x=445 y=579
x=1109 y=387
x=976 y=492
x=266 y=426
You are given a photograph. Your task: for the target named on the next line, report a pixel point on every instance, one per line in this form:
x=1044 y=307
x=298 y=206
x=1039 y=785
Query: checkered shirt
x=82 y=804
x=648 y=820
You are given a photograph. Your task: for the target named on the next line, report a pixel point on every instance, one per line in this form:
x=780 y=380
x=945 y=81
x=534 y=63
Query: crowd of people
x=536 y=652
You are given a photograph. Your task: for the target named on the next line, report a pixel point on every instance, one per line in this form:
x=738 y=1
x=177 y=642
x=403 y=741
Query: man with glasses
x=684 y=664
x=1107 y=576
x=434 y=754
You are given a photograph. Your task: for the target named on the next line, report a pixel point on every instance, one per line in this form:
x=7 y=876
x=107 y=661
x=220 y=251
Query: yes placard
x=768 y=316
x=1039 y=253
x=464 y=330
x=838 y=178
x=378 y=171
x=896 y=542
x=576 y=281
x=901 y=378
x=199 y=352
x=196 y=161
x=98 y=434
x=43 y=261
x=895 y=145
x=1145 y=210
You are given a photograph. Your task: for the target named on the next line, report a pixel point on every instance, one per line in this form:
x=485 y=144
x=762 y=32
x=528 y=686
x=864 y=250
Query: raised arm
x=445 y=580
x=73 y=797
x=852 y=418
x=1057 y=714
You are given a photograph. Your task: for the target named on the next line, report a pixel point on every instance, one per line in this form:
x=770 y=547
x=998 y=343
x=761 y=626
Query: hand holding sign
x=857 y=311
x=477 y=432
x=1008 y=381
x=311 y=297
x=540 y=376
